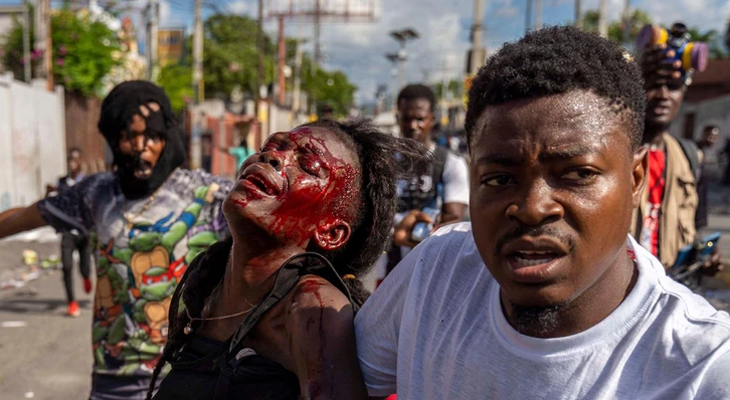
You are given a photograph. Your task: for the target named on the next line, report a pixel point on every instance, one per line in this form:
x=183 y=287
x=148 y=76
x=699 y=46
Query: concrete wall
x=711 y=112
x=32 y=140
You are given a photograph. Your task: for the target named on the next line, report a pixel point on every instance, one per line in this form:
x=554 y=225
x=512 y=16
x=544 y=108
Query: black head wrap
x=117 y=112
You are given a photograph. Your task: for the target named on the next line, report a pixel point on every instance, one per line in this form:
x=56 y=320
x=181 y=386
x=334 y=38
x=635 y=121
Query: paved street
x=50 y=356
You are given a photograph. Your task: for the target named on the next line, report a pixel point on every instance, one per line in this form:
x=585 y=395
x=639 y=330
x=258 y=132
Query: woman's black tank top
x=208 y=369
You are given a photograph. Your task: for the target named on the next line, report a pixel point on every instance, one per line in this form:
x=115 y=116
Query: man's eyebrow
x=550 y=155
x=499 y=159
x=568 y=153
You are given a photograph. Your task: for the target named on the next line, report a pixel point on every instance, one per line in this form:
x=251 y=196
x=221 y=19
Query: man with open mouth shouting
x=149 y=219
x=545 y=295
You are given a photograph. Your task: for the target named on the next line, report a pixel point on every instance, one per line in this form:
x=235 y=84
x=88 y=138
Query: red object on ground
x=73 y=309
x=87 y=285
x=391 y=397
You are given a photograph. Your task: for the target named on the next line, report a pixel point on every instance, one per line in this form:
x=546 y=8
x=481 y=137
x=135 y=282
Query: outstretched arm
x=21 y=219
x=323 y=342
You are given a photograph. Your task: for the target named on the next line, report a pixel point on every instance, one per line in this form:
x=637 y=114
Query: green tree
x=638 y=19
x=84 y=51
x=712 y=38
x=325 y=87
x=231 y=55
x=453 y=86
x=177 y=82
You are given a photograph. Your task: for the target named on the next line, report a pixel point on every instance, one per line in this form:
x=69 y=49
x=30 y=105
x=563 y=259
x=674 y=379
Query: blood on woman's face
x=300 y=182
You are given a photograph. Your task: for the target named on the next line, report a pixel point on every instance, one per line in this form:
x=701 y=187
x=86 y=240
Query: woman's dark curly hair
x=383 y=160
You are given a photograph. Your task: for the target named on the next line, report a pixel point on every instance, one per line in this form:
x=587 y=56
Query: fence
x=32 y=140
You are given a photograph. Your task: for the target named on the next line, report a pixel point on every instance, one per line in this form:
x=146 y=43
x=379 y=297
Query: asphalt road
x=50 y=356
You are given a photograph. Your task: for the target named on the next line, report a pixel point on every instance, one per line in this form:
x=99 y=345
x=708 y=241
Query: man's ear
x=639 y=170
x=333 y=235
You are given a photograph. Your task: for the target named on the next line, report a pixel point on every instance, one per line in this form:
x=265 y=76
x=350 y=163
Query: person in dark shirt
x=73 y=240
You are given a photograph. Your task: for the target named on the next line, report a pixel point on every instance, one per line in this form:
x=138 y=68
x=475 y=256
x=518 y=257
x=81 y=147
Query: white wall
x=32 y=140
x=711 y=112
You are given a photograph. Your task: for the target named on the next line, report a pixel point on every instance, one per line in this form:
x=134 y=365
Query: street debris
x=29 y=270
x=14 y=324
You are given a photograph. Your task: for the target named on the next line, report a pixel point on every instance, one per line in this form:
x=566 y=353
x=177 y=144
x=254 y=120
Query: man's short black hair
x=418 y=92
x=558 y=60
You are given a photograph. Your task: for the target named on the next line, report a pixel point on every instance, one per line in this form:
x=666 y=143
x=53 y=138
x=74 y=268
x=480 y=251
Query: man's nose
x=138 y=143
x=536 y=205
x=663 y=92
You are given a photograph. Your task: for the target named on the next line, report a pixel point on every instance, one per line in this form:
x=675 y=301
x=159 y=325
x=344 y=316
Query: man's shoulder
x=696 y=327
x=186 y=179
x=451 y=244
x=95 y=183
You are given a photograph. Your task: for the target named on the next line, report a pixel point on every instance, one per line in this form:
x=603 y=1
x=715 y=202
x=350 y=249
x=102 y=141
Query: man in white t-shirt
x=544 y=295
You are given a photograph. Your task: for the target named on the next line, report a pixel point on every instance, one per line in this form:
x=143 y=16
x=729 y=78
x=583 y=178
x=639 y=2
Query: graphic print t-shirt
x=655 y=186
x=142 y=249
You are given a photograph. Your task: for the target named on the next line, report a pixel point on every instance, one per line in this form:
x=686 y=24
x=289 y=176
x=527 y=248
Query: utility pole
x=578 y=15
x=528 y=16
x=402 y=37
x=478 y=53
x=26 y=42
x=260 y=45
x=40 y=37
x=153 y=14
x=316 y=14
x=538 y=14
x=602 y=22
x=296 y=105
x=627 y=22
x=317 y=31
x=198 y=54
x=282 y=63
x=49 y=45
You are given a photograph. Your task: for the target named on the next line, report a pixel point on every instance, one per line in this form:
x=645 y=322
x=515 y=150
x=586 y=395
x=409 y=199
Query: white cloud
x=359 y=48
x=704 y=14
x=242 y=7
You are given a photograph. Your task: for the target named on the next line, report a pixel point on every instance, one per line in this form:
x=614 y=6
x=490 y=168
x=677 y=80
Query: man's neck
x=588 y=309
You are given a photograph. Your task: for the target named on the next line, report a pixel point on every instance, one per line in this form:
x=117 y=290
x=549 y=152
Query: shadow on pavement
x=24 y=305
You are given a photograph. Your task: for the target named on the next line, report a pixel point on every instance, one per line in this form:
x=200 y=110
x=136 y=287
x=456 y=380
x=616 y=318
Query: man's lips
x=263 y=178
x=534 y=260
x=659 y=108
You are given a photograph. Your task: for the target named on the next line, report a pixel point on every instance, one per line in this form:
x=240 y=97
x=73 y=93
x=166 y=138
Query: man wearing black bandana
x=149 y=219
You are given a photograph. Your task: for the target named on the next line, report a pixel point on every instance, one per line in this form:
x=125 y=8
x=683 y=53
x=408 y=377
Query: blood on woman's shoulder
x=317 y=308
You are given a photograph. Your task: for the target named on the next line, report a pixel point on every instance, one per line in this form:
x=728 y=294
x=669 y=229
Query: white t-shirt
x=455 y=179
x=437 y=325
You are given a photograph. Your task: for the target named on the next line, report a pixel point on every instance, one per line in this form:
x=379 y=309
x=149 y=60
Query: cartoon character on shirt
x=131 y=314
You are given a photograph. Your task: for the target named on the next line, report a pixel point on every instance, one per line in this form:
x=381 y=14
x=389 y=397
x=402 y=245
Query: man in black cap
x=149 y=218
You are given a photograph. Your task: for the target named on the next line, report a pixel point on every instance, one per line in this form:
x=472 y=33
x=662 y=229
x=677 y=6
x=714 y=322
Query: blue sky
x=444 y=25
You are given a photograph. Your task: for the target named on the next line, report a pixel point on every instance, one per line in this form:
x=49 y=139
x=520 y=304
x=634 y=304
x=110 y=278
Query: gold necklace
x=129 y=217
x=189 y=327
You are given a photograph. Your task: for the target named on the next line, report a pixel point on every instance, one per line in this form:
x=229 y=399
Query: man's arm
x=453 y=212
x=456 y=190
x=17 y=220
